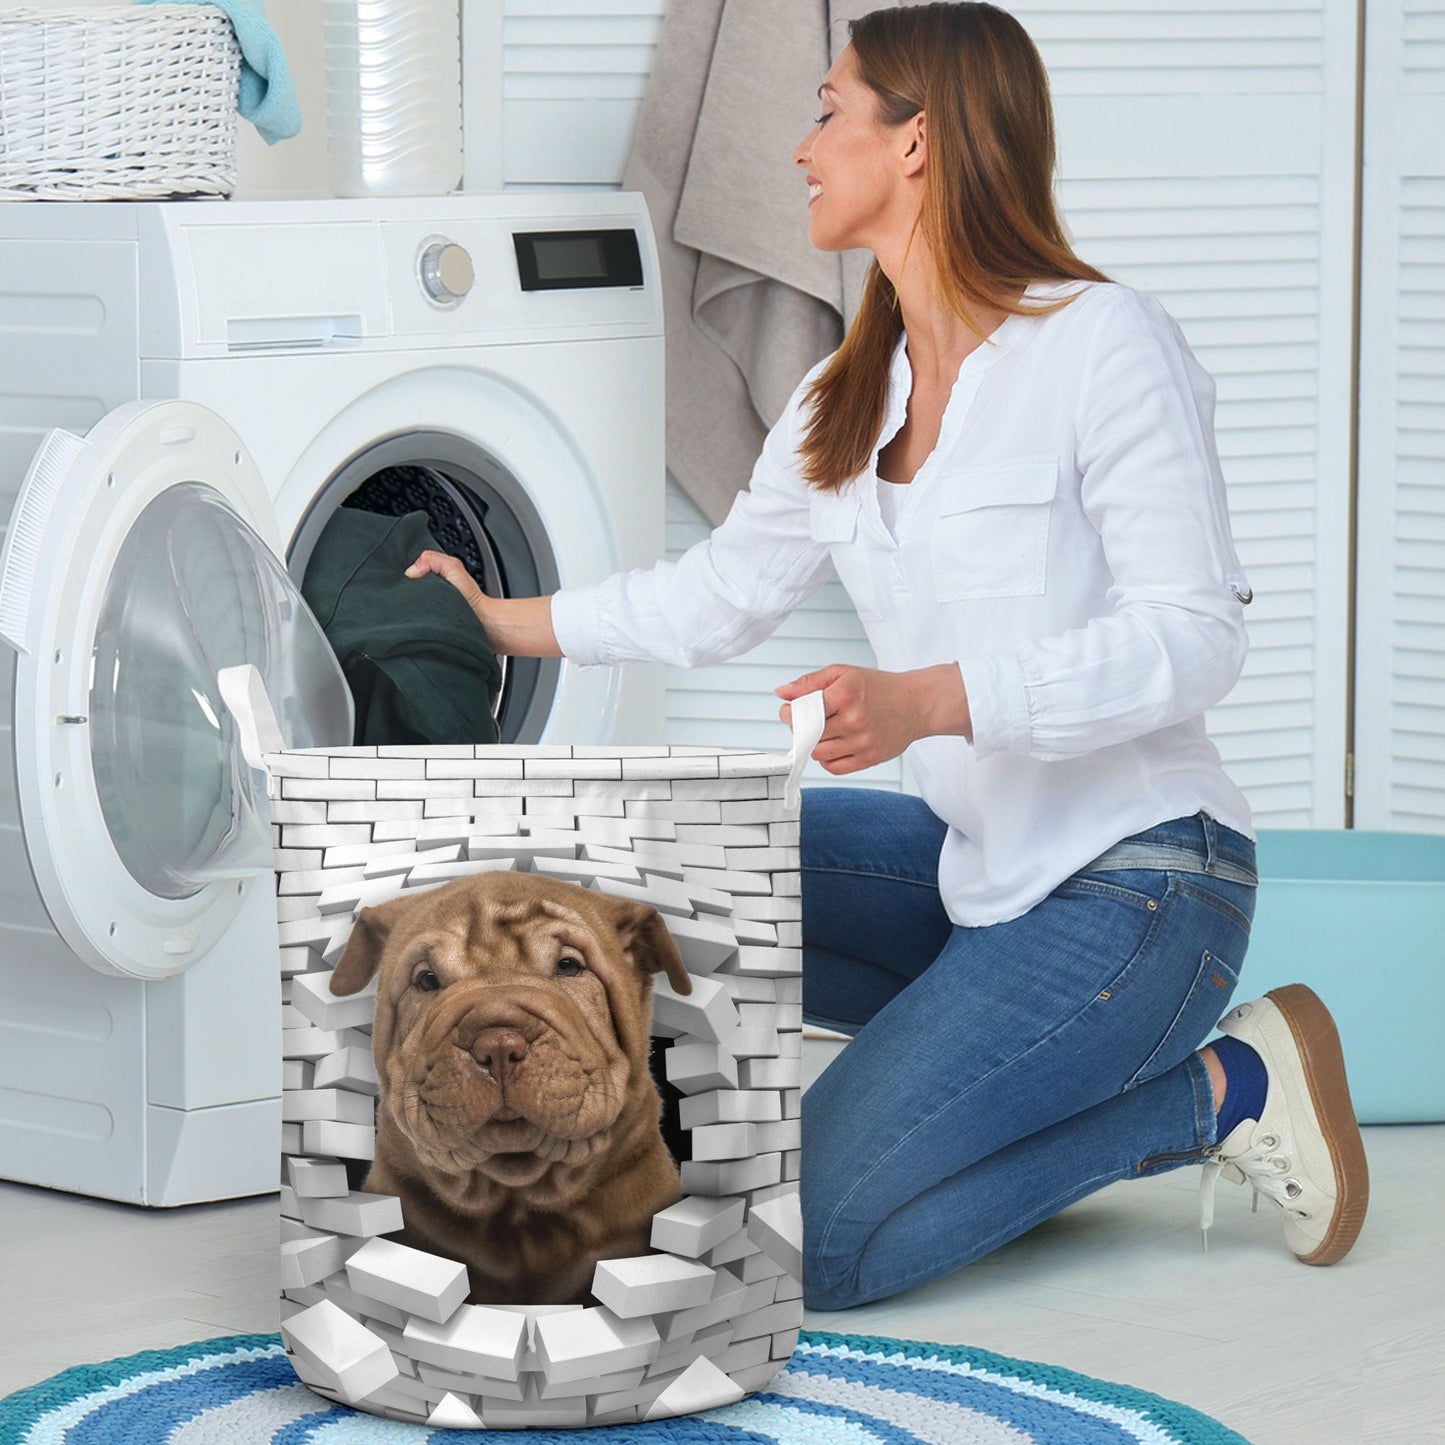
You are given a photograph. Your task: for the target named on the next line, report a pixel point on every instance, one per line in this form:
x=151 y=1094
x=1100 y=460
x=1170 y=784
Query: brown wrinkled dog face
x=512 y=1018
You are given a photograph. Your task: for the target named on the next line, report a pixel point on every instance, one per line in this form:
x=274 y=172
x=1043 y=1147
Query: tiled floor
x=1117 y=1286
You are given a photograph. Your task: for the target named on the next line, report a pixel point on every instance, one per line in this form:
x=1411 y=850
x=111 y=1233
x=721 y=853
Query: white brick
x=706 y=944
x=537 y=1414
x=291 y=1138
x=770 y=1073
x=670 y=767
x=692 y=1226
x=349 y=1068
x=372 y=811
x=694 y=1067
x=724 y=1141
x=762 y=810
x=522 y=788
x=660 y=858
x=430 y=831
x=702 y=1386
x=298 y=811
x=788 y=885
x=721 y=880
x=285 y=859
x=769 y=909
x=301 y=1106
x=646 y=1284
x=784 y=1315
x=476 y=1340
x=349 y=897
x=312 y=933
x=754 y=931
x=378 y=767
x=707 y=1012
x=453 y=1413
x=766 y=859
x=409 y=1279
x=342 y=1353
x=524 y=847
x=358 y=1213
x=474 y=768
x=324 y=1136
x=298 y=958
x=726 y=835
x=324 y=835
x=470 y=1384
x=615 y=1382
x=733 y=1176
x=457 y=789
x=752 y=1043
x=672 y=812
x=579 y=1344
x=727 y=1298
x=429 y=875
x=328 y=789
x=733 y=1248
x=317 y=1178
x=384 y=862
x=370 y=1312
x=572 y=768
x=309 y=1260
x=309 y=1043
x=297 y=1074
x=779 y=1136
x=587 y=871
x=789 y=935
x=311 y=993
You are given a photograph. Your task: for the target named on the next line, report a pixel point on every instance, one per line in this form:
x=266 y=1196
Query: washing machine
x=188 y=392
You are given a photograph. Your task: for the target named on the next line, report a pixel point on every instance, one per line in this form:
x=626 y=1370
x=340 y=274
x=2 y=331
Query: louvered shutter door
x=1206 y=156
x=1400 y=598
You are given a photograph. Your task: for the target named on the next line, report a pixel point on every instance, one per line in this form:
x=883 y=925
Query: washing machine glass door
x=141 y=561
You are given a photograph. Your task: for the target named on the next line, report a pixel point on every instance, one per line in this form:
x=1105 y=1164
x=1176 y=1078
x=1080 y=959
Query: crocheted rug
x=836 y=1390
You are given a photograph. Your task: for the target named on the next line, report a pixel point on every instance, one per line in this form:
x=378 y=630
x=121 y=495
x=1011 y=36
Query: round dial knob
x=446 y=271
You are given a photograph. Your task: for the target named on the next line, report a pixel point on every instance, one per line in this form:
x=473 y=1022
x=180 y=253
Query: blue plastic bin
x=1360 y=918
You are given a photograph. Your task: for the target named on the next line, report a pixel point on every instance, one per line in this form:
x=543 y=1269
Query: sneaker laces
x=1262 y=1167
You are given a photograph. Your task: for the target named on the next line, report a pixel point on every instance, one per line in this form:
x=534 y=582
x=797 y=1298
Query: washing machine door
x=140 y=561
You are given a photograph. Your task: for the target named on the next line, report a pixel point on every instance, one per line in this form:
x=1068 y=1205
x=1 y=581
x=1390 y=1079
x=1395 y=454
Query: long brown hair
x=988 y=212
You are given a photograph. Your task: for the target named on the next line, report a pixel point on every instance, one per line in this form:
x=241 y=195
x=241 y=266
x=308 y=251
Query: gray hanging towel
x=749 y=304
x=418 y=663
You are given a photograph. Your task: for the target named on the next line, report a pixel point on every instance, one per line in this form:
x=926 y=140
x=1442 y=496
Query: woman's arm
x=515 y=626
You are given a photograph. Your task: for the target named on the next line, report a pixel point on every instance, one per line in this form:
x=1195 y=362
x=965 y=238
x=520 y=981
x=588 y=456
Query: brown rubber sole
x=1318 y=1041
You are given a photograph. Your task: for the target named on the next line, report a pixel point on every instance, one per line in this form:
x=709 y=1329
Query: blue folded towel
x=268 y=94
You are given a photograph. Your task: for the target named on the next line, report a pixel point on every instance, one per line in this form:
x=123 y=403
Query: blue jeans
x=998 y=1074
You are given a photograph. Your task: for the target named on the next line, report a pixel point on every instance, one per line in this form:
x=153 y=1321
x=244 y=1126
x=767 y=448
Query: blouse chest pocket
x=833 y=519
x=992 y=534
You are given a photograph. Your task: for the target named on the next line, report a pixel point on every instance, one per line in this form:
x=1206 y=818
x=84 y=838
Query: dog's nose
x=499 y=1051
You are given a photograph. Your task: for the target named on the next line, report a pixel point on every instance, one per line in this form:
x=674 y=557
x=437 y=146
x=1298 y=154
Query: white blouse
x=1066 y=544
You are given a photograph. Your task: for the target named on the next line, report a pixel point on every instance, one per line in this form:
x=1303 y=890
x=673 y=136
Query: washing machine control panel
x=447 y=273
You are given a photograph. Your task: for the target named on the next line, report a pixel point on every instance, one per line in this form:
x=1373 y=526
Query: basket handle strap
x=808 y=719
x=245 y=695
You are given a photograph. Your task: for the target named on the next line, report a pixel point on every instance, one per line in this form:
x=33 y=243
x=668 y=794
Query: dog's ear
x=647 y=942
x=362 y=955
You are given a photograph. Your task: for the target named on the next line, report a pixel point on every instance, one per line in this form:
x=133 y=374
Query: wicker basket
x=117 y=104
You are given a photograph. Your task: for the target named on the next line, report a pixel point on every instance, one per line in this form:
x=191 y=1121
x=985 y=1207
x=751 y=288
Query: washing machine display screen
x=562 y=260
x=194 y=590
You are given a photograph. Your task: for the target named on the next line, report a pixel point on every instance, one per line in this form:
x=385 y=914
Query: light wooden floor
x=1117 y=1287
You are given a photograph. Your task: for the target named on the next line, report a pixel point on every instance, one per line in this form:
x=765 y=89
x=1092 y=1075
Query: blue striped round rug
x=836 y=1390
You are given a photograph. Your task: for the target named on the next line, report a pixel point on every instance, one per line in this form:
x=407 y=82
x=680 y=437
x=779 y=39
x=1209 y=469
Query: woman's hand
x=872 y=716
x=515 y=626
x=445 y=565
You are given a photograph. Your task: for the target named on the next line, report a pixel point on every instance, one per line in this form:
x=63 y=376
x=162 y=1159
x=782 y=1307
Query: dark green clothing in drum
x=417 y=661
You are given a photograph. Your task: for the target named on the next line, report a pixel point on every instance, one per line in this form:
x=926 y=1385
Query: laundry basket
x=709 y=1308
x=117 y=103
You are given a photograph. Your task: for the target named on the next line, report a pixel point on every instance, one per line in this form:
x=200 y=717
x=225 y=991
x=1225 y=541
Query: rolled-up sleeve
x=1174 y=641
x=722 y=596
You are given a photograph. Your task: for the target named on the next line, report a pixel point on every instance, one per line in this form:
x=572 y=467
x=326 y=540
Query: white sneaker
x=1306 y=1153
